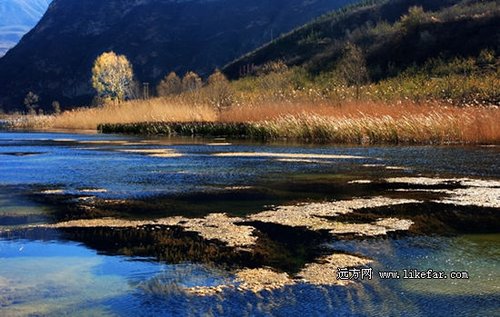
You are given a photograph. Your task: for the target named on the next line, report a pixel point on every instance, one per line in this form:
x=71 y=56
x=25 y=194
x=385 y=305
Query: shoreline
x=185 y=130
x=265 y=132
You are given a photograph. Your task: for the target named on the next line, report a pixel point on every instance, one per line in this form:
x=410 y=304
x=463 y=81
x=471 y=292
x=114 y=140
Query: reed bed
x=377 y=125
x=152 y=110
x=323 y=121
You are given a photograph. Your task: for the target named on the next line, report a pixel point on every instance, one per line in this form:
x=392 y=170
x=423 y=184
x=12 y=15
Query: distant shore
x=354 y=123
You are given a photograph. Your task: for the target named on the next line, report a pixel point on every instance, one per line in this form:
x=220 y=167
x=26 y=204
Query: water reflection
x=46 y=178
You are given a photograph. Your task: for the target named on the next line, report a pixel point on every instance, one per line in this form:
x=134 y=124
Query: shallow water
x=49 y=177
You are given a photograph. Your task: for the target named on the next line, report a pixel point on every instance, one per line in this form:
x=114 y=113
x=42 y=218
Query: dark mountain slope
x=459 y=28
x=54 y=60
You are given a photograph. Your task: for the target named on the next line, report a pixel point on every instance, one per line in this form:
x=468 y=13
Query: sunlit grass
x=356 y=123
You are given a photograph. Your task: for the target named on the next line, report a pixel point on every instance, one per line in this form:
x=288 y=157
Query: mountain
x=445 y=29
x=54 y=60
x=17 y=17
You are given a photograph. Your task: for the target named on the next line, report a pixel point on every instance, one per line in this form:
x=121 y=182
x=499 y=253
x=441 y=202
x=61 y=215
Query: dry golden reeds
x=157 y=109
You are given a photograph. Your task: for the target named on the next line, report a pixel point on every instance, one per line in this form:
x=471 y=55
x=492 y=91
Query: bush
x=170 y=85
x=219 y=91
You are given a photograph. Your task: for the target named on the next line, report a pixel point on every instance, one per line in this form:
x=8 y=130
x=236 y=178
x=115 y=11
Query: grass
x=157 y=109
x=355 y=123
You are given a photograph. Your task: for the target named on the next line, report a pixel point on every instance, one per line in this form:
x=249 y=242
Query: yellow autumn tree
x=112 y=77
x=170 y=85
x=219 y=91
x=191 y=82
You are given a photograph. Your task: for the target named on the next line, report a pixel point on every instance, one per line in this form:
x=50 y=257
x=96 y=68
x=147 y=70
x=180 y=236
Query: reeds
x=363 y=125
x=157 y=109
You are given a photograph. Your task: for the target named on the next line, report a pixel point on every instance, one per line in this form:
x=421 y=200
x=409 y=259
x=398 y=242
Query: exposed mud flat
x=223 y=228
x=234 y=233
x=245 y=280
x=475 y=196
x=473 y=192
x=313 y=216
x=324 y=270
x=212 y=227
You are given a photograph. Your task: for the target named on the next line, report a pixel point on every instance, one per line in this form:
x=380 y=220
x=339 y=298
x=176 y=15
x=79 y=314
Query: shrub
x=170 y=85
x=219 y=91
x=191 y=82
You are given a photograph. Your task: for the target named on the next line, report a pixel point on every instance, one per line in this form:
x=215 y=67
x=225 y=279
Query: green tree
x=170 y=85
x=112 y=77
x=352 y=67
x=415 y=17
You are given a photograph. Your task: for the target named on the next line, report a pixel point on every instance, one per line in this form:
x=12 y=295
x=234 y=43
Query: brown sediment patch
x=207 y=290
x=247 y=280
x=212 y=227
x=287 y=155
x=223 y=228
x=257 y=280
x=473 y=196
x=313 y=216
x=324 y=271
x=475 y=192
x=377 y=228
x=96 y=223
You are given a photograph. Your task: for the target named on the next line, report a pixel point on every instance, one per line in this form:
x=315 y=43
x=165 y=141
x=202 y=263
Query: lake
x=111 y=225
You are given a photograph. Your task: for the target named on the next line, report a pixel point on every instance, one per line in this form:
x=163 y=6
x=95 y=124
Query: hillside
x=54 y=60
x=447 y=29
x=17 y=17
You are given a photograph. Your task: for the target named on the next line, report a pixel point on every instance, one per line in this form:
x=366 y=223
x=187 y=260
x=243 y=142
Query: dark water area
x=49 y=178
